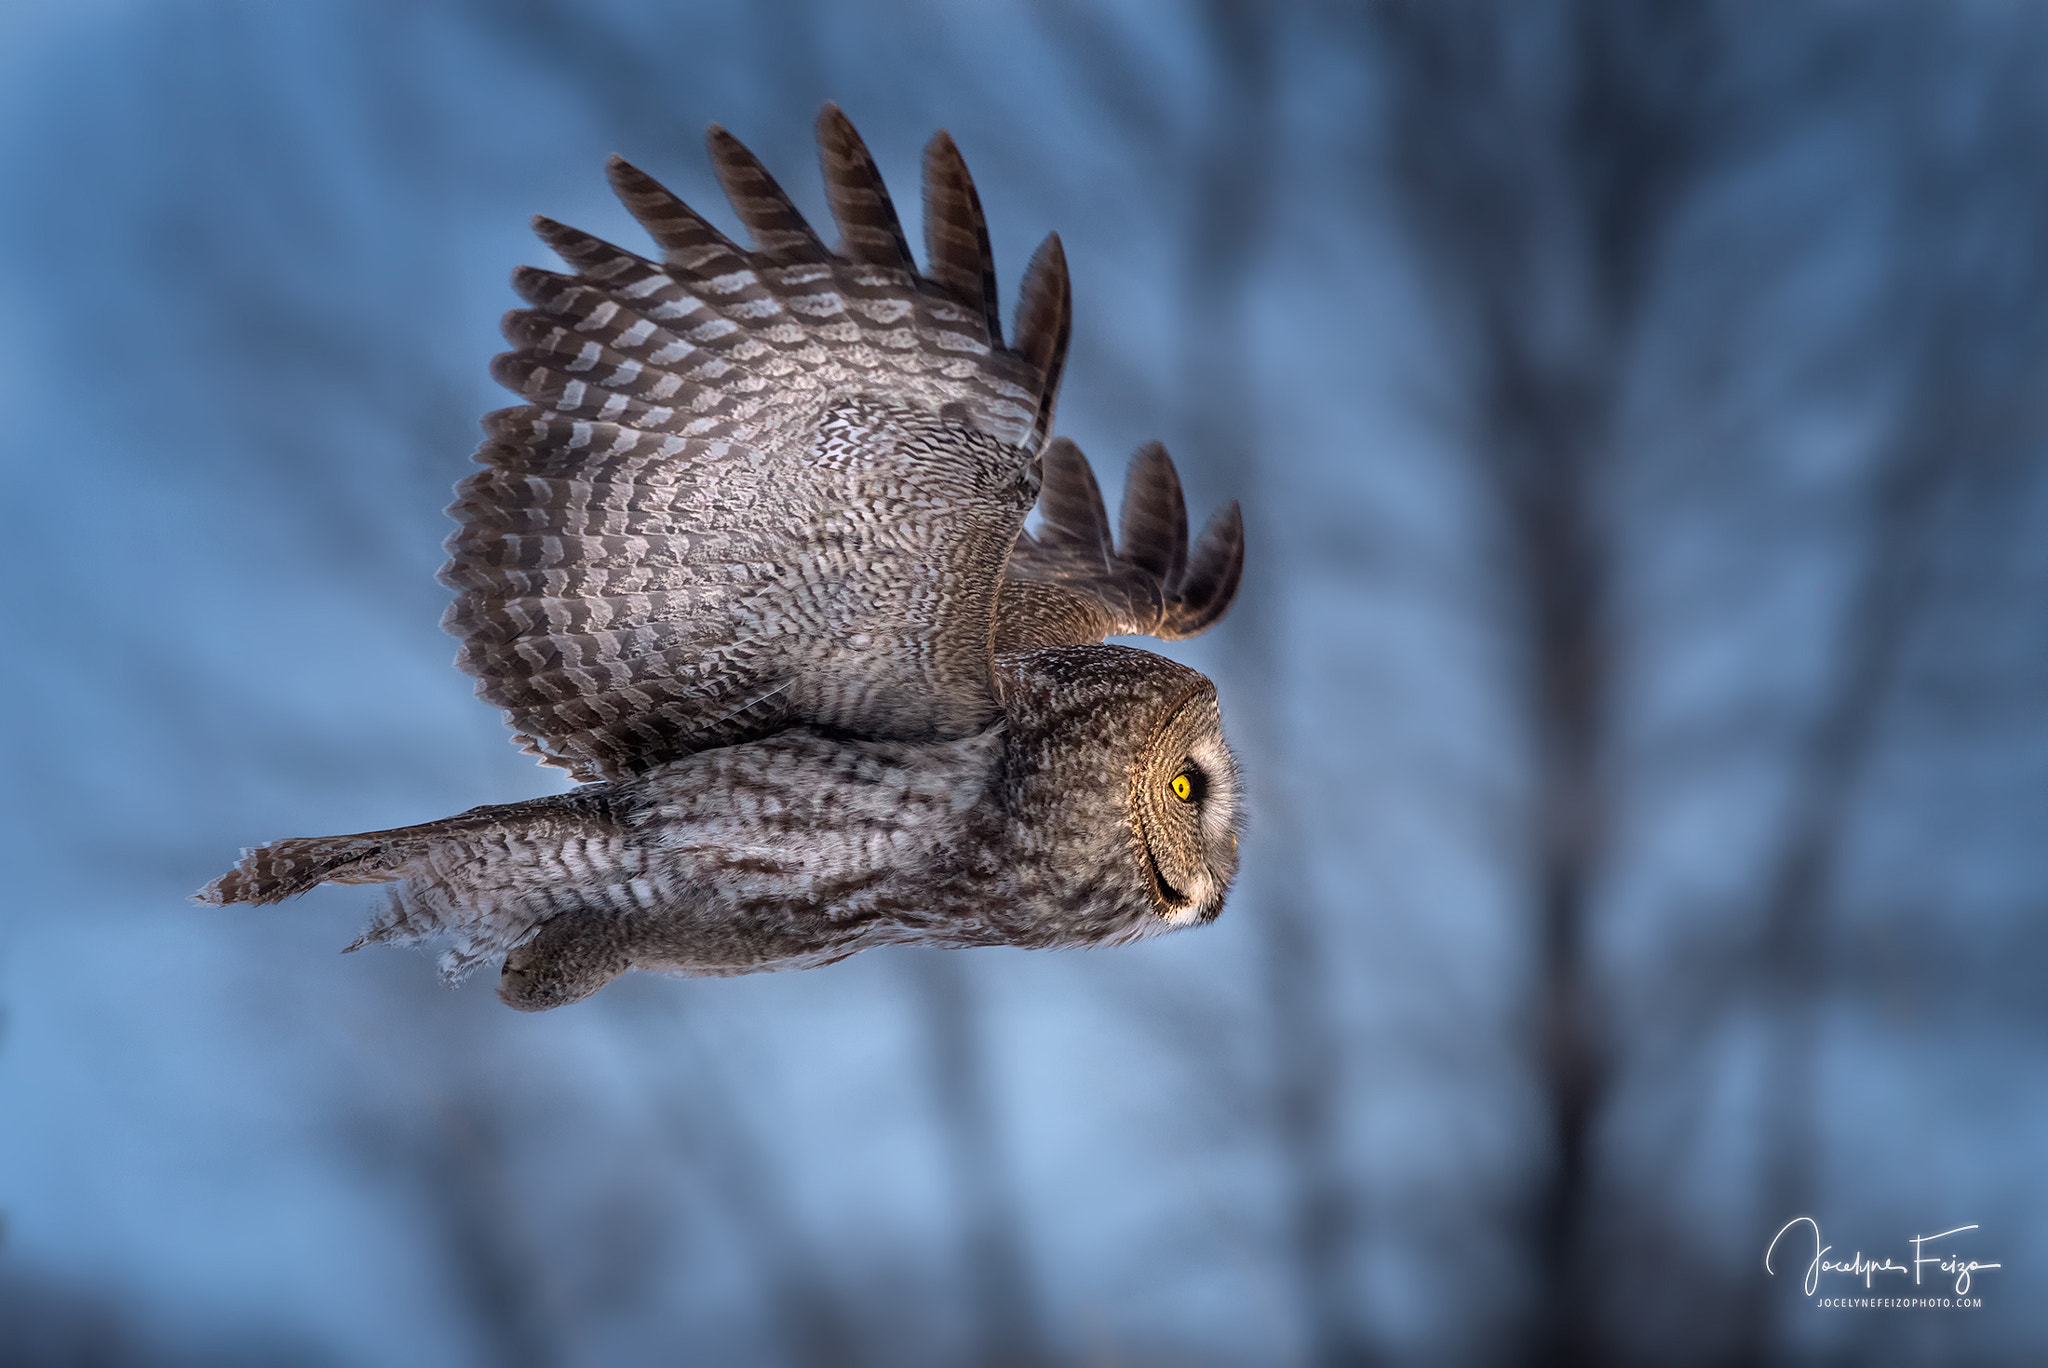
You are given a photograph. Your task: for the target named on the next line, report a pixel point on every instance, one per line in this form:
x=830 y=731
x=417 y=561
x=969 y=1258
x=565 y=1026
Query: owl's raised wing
x=1072 y=584
x=755 y=488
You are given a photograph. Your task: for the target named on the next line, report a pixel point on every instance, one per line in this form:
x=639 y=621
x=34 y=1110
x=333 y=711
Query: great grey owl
x=751 y=561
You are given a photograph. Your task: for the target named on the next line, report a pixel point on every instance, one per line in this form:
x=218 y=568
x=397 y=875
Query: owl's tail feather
x=470 y=879
x=285 y=869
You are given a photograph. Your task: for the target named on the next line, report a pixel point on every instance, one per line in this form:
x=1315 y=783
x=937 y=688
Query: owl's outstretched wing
x=1071 y=584
x=755 y=488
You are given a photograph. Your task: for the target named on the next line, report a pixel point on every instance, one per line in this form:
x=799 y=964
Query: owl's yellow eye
x=1183 y=787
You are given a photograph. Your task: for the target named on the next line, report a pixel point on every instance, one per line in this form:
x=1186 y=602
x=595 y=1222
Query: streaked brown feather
x=780 y=232
x=1045 y=316
x=957 y=255
x=690 y=241
x=869 y=231
x=1071 y=516
x=1154 y=516
x=1212 y=575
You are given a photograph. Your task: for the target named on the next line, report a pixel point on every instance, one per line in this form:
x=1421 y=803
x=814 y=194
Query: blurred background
x=1641 y=672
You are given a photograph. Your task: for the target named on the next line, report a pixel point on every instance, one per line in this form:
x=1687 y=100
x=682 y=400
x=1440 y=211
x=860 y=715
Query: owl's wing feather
x=1071 y=583
x=754 y=487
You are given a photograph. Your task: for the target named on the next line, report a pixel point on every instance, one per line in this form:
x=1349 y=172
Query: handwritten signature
x=1867 y=1269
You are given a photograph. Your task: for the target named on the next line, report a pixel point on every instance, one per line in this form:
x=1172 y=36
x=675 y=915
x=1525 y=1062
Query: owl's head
x=1185 y=811
x=1124 y=794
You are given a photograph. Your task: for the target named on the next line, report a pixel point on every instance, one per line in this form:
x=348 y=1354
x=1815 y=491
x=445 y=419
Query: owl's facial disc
x=1187 y=811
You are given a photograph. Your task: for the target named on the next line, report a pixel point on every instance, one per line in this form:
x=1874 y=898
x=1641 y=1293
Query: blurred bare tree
x=1553 y=162
x=1543 y=154
x=994 y=1261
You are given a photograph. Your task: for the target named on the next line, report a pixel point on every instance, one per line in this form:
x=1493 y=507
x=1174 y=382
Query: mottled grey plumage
x=753 y=561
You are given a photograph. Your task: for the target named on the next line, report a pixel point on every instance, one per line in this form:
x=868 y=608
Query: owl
x=751 y=562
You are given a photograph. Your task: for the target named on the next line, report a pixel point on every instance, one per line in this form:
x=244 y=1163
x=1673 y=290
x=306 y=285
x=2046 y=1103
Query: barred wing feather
x=755 y=488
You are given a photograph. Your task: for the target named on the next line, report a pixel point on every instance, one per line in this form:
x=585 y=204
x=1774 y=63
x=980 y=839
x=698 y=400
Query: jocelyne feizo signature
x=1929 y=1251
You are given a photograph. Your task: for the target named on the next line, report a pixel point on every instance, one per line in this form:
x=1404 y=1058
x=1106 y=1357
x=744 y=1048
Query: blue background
x=1744 y=302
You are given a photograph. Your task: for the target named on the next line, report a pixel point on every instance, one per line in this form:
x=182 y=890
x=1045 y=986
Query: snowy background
x=1641 y=672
